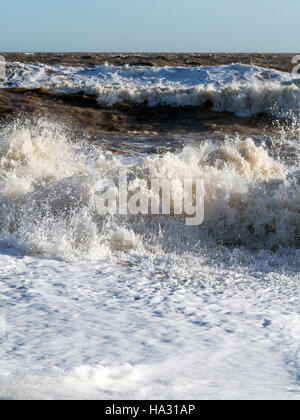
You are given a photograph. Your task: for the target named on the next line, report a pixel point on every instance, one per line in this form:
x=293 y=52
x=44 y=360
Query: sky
x=150 y=25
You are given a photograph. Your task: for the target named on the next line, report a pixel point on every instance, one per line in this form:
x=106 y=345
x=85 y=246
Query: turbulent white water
x=95 y=306
x=50 y=192
x=240 y=89
x=147 y=307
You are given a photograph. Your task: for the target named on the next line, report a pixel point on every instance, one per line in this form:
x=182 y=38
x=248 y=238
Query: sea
x=145 y=306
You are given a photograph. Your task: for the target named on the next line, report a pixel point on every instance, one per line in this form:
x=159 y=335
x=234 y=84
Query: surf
x=239 y=89
x=50 y=192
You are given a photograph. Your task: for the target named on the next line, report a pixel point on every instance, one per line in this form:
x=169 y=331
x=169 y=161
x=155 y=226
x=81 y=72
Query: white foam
x=133 y=329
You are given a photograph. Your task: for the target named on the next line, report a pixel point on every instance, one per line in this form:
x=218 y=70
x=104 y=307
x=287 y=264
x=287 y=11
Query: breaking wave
x=49 y=189
x=239 y=89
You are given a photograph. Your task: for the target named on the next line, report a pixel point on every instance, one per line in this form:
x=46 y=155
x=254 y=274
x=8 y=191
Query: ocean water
x=145 y=306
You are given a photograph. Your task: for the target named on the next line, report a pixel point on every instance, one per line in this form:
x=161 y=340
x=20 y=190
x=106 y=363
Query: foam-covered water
x=137 y=307
x=240 y=89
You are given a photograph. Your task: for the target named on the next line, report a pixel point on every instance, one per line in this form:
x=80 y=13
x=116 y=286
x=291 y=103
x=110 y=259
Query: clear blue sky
x=150 y=25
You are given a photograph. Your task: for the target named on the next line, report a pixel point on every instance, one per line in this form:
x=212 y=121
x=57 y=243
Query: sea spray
x=50 y=194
